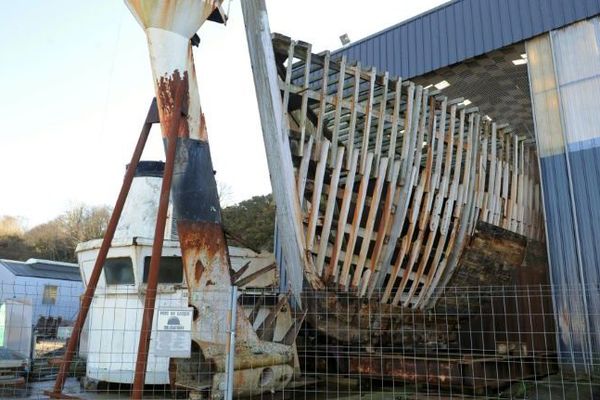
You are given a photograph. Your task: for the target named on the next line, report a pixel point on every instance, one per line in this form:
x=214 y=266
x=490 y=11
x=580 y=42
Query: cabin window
x=119 y=271
x=50 y=294
x=170 y=270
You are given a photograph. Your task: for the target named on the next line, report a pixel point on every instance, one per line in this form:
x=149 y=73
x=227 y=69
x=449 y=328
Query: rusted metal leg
x=157 y=245
x=151 y=118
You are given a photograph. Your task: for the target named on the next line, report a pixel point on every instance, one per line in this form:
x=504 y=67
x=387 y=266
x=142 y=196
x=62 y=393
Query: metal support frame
x=157 y=245
x=151 y=118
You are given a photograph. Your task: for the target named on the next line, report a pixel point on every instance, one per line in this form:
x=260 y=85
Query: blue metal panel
x=570 y=306
x=477 y=27
x=404 y=48
x=462 y=29
x=491 y=33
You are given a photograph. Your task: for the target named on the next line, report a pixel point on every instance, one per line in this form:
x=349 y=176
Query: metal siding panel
x=436 y=45
x=523 y=10
x=558 y=15
x=364 y=56
x=383 y=54
x=568 y=9
x=553 y=13
x=477 y=27
x=451 y=35
x=464 y=9
x=504 y=19
x=395 y=44
x=463 y=29
x=372 y=54
x=537 y=20
x=405 y=50
x=412 y=52
x=516 y=19
x=489 y=14
x=389 y=53
x=419 y=48
x=443 y=34
x=426 y=43
x=592 y=7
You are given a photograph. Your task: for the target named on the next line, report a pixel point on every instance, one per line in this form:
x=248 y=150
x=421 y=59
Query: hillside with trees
x=54 y=240
x=250 y=221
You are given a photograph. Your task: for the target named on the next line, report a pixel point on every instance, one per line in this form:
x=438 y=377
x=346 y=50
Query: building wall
x=463 y=29
x=67 y=299
x=564 y=68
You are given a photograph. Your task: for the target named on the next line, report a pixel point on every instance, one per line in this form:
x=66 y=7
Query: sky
x=75 y=87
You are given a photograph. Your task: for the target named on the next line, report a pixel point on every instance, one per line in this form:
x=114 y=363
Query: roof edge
x=392 y=27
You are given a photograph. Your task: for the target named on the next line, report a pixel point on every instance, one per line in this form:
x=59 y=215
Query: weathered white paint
x=169 y=27
x=140 y=210
x=115 y=315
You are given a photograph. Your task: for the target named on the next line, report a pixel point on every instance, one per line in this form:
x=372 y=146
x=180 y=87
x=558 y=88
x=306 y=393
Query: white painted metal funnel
x=169 y=26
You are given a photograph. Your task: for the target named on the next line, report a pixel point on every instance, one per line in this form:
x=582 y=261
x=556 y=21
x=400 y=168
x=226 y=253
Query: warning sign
x=173 y=333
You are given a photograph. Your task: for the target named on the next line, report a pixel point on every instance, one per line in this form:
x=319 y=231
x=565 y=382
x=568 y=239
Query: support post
x=276 y=139
x=151 y=118
x=157 y=245
x=231 y=344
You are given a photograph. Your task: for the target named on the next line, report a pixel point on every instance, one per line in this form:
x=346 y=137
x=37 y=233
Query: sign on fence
x=174 y=333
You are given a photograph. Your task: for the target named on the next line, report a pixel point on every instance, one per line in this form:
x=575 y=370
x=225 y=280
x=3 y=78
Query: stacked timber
x=393 y=179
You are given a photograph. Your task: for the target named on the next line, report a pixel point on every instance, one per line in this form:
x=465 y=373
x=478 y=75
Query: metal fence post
x=231 y=346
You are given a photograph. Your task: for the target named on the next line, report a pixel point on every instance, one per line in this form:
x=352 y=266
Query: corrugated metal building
x=535 y=63
x=52 y=287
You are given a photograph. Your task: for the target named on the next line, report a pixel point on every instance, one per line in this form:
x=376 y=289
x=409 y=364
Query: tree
x=13 y=247
x=50 y=241
x=253 y=221
x=11 y=226
x=82 y=222
x=56 y=239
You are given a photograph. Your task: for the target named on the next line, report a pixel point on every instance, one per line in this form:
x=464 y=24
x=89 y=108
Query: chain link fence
x=477 y=342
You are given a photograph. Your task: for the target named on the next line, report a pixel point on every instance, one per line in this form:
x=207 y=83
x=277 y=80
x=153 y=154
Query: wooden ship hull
x=393 y=178
x=406 y=199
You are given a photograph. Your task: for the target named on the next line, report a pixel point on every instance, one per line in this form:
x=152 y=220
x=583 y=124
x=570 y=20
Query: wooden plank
x=520 y=191
x=304 y=106
x=338 y=110
x=382 y=230
x=255 y=310
x=290 y=336
x=443 y=221
x=303 y=170
x=331 y=200
x=316 y=195
x=381 y=120
x=465 y=217
x=330 y=99
x=275 y=137
x=433 y=181
x=408 y=245
x=406 y=193
x=491 y=177
x=358 y=211
x=266 y=330
x=353 y=115
x=288 y=79
x=256 y=274
x=367 y=123
x=322 y=102
x=513 y=187
x=409 y=133
x=370 y=224
x=331 y=272
x=395 y=122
